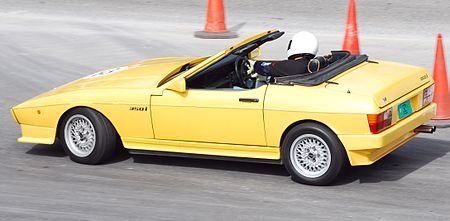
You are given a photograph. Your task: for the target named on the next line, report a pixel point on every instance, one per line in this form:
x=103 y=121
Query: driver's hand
x=250 y=65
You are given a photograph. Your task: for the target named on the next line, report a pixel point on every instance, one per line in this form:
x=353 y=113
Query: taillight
x=379 y=122
x=428 y=94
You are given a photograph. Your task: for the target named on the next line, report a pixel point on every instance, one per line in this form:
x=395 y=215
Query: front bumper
x=13 y=115
x=36 y=134
x=367 y=149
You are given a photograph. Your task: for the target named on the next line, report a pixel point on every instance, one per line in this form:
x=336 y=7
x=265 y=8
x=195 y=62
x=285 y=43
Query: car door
x=228 y=116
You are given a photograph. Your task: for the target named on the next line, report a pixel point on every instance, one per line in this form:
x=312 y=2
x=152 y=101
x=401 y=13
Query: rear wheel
x=313 y=154
x=87 y=136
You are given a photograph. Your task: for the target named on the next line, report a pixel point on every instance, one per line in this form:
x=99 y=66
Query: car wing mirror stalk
x=255 y=53
x=178 y=85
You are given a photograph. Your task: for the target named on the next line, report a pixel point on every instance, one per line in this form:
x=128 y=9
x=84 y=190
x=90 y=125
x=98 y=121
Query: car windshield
x=180 y=70
x=247 y=48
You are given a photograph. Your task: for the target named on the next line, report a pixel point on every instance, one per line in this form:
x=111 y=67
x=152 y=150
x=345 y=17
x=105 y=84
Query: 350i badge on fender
x=138 y=109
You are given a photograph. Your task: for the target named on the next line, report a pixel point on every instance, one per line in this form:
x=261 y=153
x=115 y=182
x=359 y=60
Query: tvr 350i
x=354 y=111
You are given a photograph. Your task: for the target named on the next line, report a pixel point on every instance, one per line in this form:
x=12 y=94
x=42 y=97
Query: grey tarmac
x=44 y=44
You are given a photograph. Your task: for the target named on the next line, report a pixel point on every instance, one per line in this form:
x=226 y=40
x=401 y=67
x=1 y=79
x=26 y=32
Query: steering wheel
x=240 y=70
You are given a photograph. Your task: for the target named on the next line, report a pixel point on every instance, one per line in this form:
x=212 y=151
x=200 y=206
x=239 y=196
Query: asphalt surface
x=44 y=44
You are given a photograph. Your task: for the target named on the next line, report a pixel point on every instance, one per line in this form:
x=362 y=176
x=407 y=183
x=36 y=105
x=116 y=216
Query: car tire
x=313 y=154
x=87 y=136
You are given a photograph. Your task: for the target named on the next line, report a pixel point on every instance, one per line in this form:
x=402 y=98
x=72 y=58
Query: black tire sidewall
x=104 y=137
x=338 y=156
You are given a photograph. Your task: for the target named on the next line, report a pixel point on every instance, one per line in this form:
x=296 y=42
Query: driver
x=301 y=51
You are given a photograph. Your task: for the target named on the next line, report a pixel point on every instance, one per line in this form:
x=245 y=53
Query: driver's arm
x=261 y=67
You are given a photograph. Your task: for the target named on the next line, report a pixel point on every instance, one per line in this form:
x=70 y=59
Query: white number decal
x=106 y=72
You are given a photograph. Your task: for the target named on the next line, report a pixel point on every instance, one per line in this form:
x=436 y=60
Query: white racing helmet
x=303 y=43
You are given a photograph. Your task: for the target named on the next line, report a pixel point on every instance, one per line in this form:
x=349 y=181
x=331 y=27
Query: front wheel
x=87 y=136
x=313 y=154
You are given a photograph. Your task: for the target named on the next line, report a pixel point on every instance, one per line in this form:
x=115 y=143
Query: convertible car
x=352 y=112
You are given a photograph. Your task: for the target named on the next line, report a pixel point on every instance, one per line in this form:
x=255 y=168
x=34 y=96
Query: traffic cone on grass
x=215 y=22
x=351 y=42
x=441 y=93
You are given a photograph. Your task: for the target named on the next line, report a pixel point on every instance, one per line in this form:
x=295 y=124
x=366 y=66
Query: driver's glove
x=250 y=66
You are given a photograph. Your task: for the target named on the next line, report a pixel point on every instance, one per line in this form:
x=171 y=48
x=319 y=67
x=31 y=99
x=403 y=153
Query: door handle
x=249 y=100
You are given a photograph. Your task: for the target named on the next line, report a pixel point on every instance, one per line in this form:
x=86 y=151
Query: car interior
x=230 y=72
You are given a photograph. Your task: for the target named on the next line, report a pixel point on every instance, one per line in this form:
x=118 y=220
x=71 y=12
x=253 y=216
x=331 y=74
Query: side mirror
x=255 y=53
x=178 y=85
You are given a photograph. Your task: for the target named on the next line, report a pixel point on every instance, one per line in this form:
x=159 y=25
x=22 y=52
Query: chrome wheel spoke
x=80 y=135
x=310 y=155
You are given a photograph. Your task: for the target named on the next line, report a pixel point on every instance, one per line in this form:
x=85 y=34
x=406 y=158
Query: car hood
x=383 y=81
x=143 y=74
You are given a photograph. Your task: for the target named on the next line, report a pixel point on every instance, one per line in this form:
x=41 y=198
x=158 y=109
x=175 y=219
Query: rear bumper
x=367 y=149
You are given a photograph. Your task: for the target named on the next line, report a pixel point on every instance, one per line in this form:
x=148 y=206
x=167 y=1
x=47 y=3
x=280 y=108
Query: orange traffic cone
x=351 y=42
x=215 y=22
x=441 y=94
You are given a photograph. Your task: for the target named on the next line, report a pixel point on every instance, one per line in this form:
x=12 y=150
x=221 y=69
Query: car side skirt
x=201 y=156
x=200 y=148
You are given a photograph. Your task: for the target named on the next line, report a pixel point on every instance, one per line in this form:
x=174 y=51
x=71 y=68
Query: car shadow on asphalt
x=261 y=168
x=56 y=150
x=410 y=157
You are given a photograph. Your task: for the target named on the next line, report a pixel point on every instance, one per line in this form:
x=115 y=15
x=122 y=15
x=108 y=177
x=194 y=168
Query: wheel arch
x=302 y=122
x=64 y=115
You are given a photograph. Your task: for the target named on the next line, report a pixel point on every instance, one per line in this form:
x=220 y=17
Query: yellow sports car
x=354 y=111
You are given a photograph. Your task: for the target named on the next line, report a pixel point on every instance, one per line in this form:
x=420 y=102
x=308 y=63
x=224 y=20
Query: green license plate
x=404 y=109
